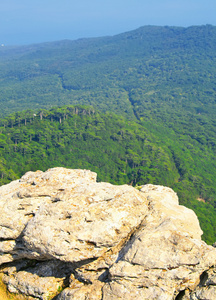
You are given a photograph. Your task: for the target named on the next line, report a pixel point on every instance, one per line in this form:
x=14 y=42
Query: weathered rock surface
x=63 y=233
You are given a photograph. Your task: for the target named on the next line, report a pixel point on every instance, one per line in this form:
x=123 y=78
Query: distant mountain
x=120 y=73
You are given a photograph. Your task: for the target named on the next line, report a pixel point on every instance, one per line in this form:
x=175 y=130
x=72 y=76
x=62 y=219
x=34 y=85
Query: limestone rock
x=38 y=279
x=63 y=233
x=90 y=292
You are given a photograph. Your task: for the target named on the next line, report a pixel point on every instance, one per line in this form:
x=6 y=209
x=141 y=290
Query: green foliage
x=119 y=151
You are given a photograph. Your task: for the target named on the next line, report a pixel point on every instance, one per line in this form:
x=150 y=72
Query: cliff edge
x=64 y=235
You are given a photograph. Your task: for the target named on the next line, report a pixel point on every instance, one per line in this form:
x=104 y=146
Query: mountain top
x=62 y=233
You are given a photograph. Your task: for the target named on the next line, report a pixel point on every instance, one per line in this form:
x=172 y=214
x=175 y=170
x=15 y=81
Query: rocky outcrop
x=63 y=234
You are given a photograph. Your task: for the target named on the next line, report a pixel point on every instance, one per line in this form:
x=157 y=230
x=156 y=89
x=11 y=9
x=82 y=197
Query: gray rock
x=63 y=233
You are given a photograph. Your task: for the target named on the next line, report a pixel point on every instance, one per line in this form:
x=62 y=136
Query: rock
x=38 y=279
x=33 y=285
x=90 y=292
x=63 y=233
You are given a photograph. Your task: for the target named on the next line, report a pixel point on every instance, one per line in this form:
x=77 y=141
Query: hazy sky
x=34 y=21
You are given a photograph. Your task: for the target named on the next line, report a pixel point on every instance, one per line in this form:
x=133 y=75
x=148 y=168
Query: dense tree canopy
x=120 y=151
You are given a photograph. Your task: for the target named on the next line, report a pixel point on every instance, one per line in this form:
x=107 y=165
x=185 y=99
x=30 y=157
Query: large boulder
x=62 y=233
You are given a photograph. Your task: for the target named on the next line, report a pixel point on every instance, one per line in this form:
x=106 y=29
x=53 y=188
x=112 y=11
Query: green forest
x=136 y=108
x=120 y=151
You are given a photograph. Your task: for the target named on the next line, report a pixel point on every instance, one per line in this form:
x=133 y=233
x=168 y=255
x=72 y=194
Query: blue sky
x=35 y=21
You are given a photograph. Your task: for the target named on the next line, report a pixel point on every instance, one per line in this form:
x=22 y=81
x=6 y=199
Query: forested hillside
x=159 y=82
x=151 y=68
x=120 y=151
